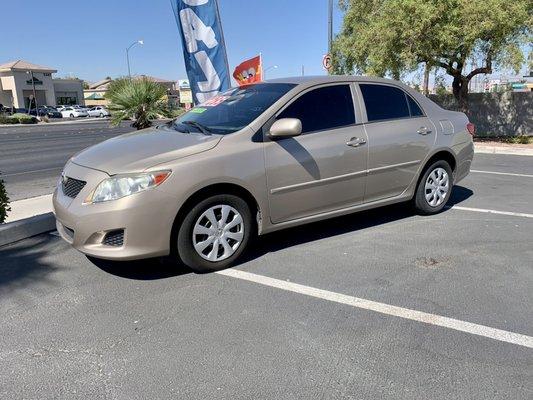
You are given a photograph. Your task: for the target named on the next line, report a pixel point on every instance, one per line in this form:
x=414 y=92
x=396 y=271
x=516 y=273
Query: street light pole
x=268 y=68
x=141 y=42
x=34 y=95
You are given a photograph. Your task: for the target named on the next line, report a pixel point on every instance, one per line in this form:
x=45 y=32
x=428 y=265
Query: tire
x=101 y=115
x=71 y=115
x=432 y=199
x=205 y=233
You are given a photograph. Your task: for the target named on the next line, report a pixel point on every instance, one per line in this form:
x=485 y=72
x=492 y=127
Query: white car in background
x=98 y=111
x=71 y=112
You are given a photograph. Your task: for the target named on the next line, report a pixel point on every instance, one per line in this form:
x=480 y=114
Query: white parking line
x=382 y=308
x=501 y=173
x=484 y=210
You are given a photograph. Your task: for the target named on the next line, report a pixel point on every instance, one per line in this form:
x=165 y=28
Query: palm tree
x=140 y=98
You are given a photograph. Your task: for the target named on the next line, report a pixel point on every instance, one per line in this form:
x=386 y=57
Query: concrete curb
x=81 y=121
x=25 y=228
x=515 y=151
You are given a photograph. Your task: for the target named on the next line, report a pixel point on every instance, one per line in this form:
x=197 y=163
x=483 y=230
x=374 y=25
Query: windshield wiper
x=202 y=128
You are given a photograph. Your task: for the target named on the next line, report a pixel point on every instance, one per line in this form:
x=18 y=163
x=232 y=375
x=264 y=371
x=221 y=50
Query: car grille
x=114 y=238
x=72 y=187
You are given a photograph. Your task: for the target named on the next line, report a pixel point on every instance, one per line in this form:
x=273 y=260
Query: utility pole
x=303 y=70
x=330 y=24
x=330 y=27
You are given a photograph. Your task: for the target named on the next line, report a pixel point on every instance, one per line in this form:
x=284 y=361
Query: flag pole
x=261 y=64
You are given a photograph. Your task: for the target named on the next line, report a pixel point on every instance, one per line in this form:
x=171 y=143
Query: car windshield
x=232 y=110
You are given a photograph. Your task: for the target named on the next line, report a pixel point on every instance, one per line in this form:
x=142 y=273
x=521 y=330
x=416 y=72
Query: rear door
x=324 y=168
x=400 y=136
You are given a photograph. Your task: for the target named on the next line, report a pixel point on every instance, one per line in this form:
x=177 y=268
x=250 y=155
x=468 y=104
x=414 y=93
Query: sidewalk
x=503 y=148
x=22 y=209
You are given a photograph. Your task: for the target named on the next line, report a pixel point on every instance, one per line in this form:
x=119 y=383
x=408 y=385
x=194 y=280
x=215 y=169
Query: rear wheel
x=71 y=115
x=214 y=233
x=434 y=188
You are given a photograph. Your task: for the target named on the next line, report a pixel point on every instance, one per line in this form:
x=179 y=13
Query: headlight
x=119 y=186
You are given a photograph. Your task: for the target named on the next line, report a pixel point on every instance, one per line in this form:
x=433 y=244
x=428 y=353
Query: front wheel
x=434 y=188
x=214 y=233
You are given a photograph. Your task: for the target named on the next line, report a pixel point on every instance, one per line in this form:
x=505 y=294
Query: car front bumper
x=145 y=220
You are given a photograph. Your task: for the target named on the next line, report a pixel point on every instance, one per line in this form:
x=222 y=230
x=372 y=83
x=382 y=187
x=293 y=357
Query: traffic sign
x=326 y=62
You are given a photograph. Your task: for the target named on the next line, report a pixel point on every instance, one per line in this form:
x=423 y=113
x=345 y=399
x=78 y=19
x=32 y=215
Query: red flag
x=249 y=71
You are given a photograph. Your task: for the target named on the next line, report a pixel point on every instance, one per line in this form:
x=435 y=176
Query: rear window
x=384 y=102
x=323 y=108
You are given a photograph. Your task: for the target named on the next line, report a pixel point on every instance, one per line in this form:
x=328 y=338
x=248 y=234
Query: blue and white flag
x=204 y=49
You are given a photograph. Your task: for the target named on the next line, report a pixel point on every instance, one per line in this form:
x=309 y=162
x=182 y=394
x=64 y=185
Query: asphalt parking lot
x=380 y=304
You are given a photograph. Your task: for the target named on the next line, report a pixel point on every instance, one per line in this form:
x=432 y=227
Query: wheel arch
x=441 y=154
x=214 y=189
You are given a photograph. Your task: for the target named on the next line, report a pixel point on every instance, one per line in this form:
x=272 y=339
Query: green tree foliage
x=140 y=99
x=4 y=202
x=391 y=37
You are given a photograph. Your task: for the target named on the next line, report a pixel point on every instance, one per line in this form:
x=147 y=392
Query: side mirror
x=285 y=127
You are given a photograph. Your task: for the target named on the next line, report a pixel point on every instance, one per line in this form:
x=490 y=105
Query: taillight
x=471 y=128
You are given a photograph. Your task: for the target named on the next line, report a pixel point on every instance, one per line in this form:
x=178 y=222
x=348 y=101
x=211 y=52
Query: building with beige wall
x=17 y=86
x=95 y=93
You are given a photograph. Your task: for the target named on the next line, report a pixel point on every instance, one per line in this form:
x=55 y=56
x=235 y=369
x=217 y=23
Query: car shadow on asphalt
x=161 y=268
x=25 y=263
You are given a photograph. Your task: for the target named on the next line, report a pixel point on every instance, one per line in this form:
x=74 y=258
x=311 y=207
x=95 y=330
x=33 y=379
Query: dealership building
x=19 y=79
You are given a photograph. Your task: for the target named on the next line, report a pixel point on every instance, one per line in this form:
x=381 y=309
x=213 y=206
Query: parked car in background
x=257 y=159
x=60 y=107
x=46 y=112
x=98 y=111
x=71 y=112
x=78 y=107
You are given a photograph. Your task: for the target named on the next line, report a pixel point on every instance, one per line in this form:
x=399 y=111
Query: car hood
x=143 y=149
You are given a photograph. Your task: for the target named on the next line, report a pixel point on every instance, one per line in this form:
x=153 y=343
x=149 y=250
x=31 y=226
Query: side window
x=384 y=102
x=324 y=108
x=414 y=107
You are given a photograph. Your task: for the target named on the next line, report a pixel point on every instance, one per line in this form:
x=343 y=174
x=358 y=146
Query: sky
x=88 y=39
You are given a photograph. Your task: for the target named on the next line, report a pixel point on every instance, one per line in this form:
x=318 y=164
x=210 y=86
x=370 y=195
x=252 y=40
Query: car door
x=400 y=137
x=324 y=168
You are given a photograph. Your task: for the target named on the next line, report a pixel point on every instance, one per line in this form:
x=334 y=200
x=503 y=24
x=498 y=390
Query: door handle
x=423 y=131
x=355 y=142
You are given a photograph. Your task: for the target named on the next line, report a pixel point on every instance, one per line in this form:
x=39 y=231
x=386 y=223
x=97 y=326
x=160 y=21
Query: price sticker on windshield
x=214 y=101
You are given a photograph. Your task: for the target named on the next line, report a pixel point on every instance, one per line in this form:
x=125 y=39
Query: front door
x=324 y=168
x=400 y=137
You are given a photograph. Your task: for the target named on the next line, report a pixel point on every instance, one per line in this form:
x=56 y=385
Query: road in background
x=32 y=156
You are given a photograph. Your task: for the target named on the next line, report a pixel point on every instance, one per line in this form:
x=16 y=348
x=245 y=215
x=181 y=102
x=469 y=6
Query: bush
x=18 y=118
x=175 y=112
x=24 y=118
x=140 y=99
x=6 y=119
x=4 y=202
x=523 y=139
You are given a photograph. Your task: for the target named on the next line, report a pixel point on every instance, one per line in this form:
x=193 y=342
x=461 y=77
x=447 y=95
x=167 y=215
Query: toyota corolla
x=260 y=158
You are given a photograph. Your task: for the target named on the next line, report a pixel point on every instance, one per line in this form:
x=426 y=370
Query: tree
x=391 y=37
x=139 y=98
x=4 y=202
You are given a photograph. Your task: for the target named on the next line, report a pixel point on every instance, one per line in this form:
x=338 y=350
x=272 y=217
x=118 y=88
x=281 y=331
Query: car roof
x=319 y=79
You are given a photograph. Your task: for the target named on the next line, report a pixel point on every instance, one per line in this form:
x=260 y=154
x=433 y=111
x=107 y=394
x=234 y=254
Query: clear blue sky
x=88 y=39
